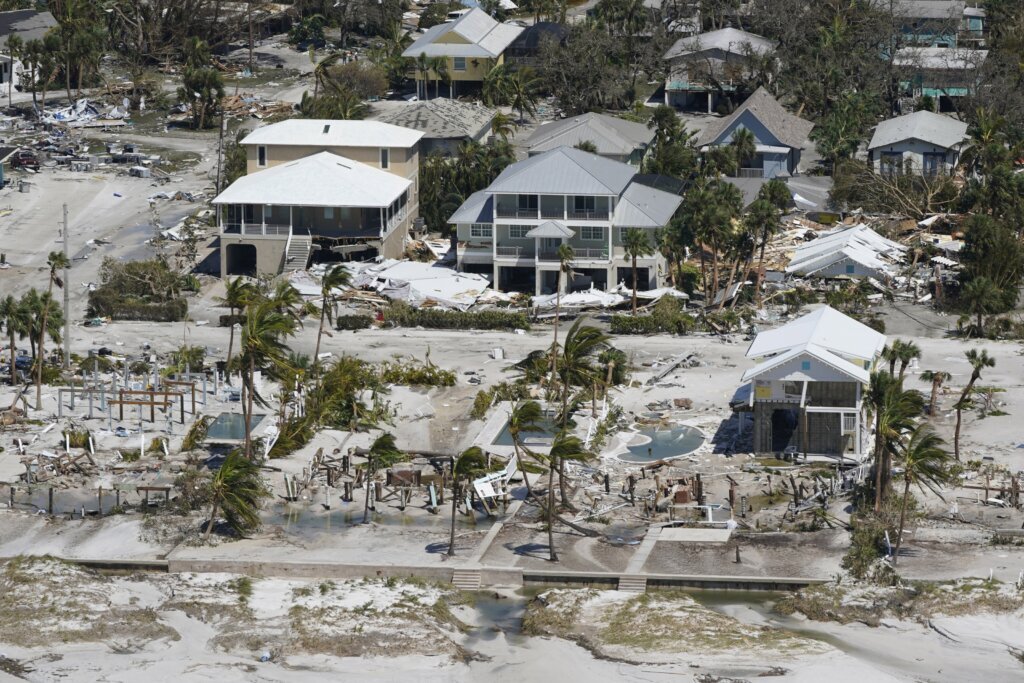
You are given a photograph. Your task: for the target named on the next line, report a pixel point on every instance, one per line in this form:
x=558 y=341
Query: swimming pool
x=540 y=437
x=663 y=443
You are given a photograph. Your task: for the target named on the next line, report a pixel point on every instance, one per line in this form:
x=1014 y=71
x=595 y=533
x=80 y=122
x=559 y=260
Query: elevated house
x=855 y=252
x=806 y=392
x=923 y=143
x=780 y=137
x=946 y=74
x=26 y=24
x=445 y=123
x=614 y=138
x=706 y=70
x=344 y=186
x=938 y=23
x=525 y=49
x=512 y=230
x=470 y=46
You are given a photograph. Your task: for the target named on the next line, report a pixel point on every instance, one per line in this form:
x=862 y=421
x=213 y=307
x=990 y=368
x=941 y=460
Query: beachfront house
x=706 y=70
x=806 y=392
x=922 y=143
x=512 y=230
x=612 y=137
x=445 y=123
x=939 y=23
x=348 y=187
x=469 y=47
x=780 y=137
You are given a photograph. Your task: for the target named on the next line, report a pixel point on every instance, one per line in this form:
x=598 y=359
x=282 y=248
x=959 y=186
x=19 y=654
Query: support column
x=497 y=277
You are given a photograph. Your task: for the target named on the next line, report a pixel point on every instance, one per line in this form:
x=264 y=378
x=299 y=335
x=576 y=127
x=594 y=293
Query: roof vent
x=327 y=129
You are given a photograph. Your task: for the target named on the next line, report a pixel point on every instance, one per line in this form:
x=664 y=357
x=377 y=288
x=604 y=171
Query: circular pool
x=662 y=443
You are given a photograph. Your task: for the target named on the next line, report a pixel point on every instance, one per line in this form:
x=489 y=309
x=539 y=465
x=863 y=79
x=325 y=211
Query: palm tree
x=979 y=360
x=908 y=351
x=261 y=345
x=522 y=88
x=335 y=278
x=936 y=377
x=636 y=244
x=57 y=261
x=563 y=448
x=981 y=297
x=322 y=70
x=14 y=321
x=525 y=417
x=236 y=489
x=894 y=410
x=237 y=295
x=744 y=146
x=439 y=65
x=763 y=219
x=925 y=463
x=422 y=68
x=287 y=300
x=469 y=464
x=501 y=125
x=565 y=258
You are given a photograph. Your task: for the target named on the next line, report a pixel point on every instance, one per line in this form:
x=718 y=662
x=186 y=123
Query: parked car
x=25 y=158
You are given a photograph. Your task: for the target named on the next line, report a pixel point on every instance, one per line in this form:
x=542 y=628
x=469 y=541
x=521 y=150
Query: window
x=584 y=203
x=805 y=365
x=849 y=422
x=480 y=230
x=518 y=232
x=591 y=233
x=268 y=211
x=934 y=163
x=261 y=156
x=329 y=213
x=527 y=202
x=850 y=269
x=791 y=389
x=891 y=163
x=459 y=63
x=385 y=158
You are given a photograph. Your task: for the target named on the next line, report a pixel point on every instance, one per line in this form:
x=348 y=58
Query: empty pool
x=229 y=428
x=663 y=443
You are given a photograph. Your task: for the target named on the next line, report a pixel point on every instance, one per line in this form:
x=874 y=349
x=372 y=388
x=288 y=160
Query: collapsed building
x=855 y=252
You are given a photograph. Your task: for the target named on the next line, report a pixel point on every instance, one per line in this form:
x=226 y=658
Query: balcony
x=582 y=254
x=256 y=229
x=750 y=173
x=513 y=212
x=588 y=214
x=513 y=252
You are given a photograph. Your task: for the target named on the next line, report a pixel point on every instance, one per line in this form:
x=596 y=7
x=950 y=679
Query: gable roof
x=564 y=170
x=826 y=328
x=789 y=129
x=441 y=118
x=333 y=133
x=642 y=206
x=928 y=9
x=478 y=208
x=322 y=179
x=610 y=134
x=727 y=39
x=27 y=24
x=851 y=370
x=925 y=126
x=551 y=229
x=859 y=243
x=485 y=37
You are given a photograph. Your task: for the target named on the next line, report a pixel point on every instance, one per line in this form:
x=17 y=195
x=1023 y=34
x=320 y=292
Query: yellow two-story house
x=471 y=46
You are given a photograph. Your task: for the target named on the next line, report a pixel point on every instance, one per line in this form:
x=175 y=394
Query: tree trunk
x=903 y=516
x=455 y=509
x=248 y=413
x=14 y=371
x=703 y=274
x=936 y=382
x=553 y=557
x=231 y=344
x=319 y=334
x=368 y=483
x=728 y=286
x=634 y=283
x=714 y=268
x=878 y=468
x=213 y=517
x=41 y=358
x=558 y=311
x=760 y=275
x=956 y=432
x=249 y=13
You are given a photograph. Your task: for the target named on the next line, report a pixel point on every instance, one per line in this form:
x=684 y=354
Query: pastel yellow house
x=471 y=46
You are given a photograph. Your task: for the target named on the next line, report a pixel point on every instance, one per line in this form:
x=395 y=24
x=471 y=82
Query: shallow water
x=544 y=434
x=664 y=443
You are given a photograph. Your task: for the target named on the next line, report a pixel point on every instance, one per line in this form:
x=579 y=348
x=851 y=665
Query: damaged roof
x=610 y=134
x=442 y=118
x=727 y=39
x=789 y=129
x=859 y=243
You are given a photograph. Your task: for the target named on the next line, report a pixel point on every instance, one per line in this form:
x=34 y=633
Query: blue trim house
x=780 y=137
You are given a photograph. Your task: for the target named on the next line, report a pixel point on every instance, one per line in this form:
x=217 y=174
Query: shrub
x=353 y=322
x=667 y=316
x=404 y=315
x=415 y=374
x=227 y=320
x=138 y=290
x=481 y=404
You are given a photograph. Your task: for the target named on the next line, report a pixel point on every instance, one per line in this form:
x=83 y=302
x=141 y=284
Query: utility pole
x=67 y=295
x=220 y=150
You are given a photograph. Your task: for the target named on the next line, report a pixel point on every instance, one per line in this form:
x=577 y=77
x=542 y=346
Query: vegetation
x=403 y=315
x=138 y=290
x=237 y=490
x=445 y=183
x=667 y=316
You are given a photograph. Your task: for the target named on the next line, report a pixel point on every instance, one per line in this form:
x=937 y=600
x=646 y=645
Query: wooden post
x=12 y=499
x=49 y=504
x=117 y=498
x=796 y=491
x=99 y=501
x=607 y=483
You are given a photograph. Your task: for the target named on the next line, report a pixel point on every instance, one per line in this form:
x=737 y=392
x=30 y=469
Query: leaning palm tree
x=237 y=489
x=322 y=71
x=237 y=295
x=563 y=448
x=502 y=125
x=565 y=259
x=925 y=464
x=262 y=344
x=336 y=278
x=287 y=300
x=894 y=411
x=636 y=244
x=56 y=261
x=13 y=318
x=979 y=360
x=525 y=417
x=907 y=352
x=469 y=464
x=936 y=377
x=763 y=220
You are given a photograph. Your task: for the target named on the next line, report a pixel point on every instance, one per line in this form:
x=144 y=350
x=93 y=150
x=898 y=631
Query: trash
x=265 y=657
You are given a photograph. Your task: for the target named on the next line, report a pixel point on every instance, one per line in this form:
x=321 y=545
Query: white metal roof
x=859 y=243
x=727 y=39
x=826 y=328
x=485 y=37
x=851 y=370
x=645 y=207
x=926 y=126
x=551 y=229
x=611 y=135
x=564 y=170
x=333 y=133
x=323 y=179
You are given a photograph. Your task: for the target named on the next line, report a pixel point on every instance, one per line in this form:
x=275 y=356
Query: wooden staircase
x=466 y=579
x=633 y=584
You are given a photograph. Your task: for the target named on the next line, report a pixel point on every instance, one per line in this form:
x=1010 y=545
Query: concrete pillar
x=497 y=277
